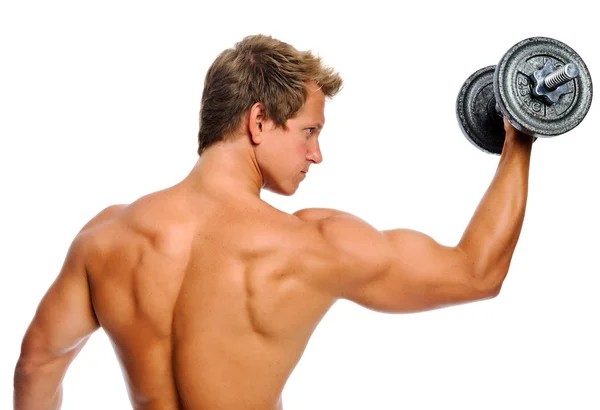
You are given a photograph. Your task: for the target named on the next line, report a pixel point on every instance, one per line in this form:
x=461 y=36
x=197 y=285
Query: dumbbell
x=541 y=85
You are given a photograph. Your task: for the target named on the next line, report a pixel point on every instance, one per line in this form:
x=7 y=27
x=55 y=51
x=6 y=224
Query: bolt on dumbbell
x=551 y=83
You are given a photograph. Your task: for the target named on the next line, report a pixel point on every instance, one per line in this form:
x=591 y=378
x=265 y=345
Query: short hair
x=262 y=69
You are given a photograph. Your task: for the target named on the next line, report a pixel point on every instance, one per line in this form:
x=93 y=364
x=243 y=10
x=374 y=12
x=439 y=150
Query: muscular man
x=209 y=294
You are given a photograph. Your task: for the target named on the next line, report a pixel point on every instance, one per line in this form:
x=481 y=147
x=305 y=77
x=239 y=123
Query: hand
x=514 y=136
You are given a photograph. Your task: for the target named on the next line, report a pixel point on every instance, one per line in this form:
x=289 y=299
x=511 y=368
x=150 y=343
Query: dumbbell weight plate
x=476 y=112
x=513 y=86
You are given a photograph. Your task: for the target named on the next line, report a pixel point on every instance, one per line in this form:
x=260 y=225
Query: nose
x=314 y=153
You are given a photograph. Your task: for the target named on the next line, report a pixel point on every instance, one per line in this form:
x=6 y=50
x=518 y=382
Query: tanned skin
x=210 y=295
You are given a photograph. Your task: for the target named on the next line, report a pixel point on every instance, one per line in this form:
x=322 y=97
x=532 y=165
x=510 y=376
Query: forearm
x=492 y=234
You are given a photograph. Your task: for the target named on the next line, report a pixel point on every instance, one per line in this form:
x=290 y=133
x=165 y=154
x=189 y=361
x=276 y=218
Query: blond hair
x=259 y=69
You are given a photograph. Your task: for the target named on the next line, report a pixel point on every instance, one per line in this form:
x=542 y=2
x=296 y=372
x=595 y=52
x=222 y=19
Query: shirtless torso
x=210 y=295
x=205 y=301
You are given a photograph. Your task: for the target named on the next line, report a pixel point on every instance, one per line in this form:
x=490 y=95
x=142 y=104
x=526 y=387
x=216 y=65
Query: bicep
x=399 y=270
x=64 y=318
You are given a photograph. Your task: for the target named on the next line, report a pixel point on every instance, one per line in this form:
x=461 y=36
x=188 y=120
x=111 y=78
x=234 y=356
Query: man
x=209 y=294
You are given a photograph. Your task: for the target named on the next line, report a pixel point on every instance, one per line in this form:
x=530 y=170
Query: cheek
x=302 y=149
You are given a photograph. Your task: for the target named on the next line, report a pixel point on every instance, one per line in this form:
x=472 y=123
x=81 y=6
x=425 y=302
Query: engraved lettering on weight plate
x=524 y=92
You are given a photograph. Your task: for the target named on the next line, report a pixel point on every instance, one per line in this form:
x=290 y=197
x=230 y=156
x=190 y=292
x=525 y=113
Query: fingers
x=513 y=134
x=508 y=127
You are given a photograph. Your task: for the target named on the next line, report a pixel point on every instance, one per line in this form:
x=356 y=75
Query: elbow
x=24 y=373
x=31 y=362
x=494 y=291
x=27 y=365
x=31 y=387
x=495 y=279
x=488 y=286
x=485 y=283
x=24 y=370
x=486 y=277
x=482 y=291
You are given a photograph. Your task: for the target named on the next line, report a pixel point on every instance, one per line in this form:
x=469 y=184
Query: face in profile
x=285 y=156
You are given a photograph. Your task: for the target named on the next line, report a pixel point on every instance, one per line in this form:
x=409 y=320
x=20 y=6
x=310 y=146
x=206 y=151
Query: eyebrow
x=317 y=125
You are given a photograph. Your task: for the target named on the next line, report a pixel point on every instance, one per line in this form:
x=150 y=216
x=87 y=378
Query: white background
x=99 y=105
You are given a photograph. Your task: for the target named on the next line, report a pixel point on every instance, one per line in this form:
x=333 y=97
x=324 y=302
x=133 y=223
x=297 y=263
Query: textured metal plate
x=476 y=112
x=513 y=88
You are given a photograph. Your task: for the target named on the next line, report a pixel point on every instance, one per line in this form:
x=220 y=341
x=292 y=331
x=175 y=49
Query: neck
x=228 y=168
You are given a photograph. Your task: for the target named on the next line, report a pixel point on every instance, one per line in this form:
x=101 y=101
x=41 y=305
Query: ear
x=256 y=122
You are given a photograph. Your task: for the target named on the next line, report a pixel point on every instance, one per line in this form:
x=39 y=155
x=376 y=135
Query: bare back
x=206 y=303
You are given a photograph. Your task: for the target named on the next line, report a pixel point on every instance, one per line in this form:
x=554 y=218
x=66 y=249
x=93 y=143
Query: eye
x=310 y=131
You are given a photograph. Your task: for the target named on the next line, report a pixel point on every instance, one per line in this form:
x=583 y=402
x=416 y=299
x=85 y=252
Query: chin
x=280 y=190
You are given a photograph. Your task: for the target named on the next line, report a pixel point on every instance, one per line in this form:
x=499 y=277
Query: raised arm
x=406 y=271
